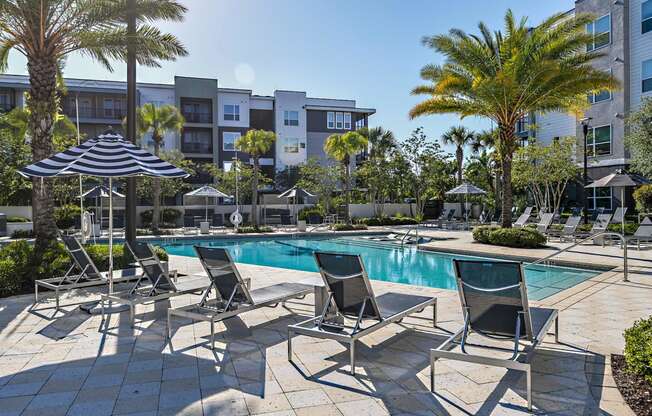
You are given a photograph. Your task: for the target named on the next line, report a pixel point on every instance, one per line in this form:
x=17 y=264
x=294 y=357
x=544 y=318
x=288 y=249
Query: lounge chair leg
x=557 y=330
x=35 y=293
x=132 y=313
x=432 y=372
x=56 y=296
x=289 y=345
x=102 y=308
x=528 y=375
x=169 y=326
x=434 y=314
x=352 y=353
x=212 y=334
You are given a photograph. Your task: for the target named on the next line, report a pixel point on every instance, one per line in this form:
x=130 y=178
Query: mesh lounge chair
x=494 y=304
x=218 y=223
x=233 y=296
x=446 y=215
x=163 y=284
x=189 y=226
x=351 y=298
x=643 y=233
x=600 y=225
x=569 y=230
x=89 y=275
x=544 y=222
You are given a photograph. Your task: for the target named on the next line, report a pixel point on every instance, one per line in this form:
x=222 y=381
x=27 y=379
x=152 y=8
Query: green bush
x=509 y=237
x=254 y=230
x=638 y=348
x=19 y=266
x=304 y=213
x=379 y=221
x=66 y=215
x=169 y=216
x=630 y=228
x=643 y=198
x=15 y=218
x=347 y=227
x=22 y=234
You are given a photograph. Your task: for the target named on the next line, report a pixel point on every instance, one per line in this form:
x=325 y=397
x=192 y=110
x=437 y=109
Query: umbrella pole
x=206 y=206
x=110 y=235
x=622 y=204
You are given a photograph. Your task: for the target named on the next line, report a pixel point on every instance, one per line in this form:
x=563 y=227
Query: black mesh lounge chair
x=82 y=273
x=189 y=225
x=494 y=305
x=163 y=284
x=643 y=233
x=232 y=295
x=569 y=231
x=351 y=310
x=218 y=223
x=544 y=222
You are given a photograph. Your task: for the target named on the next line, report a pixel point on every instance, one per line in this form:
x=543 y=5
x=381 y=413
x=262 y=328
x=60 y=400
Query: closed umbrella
x=207 y=192
x=107 y=156
x=466 y=189
x=294 y=193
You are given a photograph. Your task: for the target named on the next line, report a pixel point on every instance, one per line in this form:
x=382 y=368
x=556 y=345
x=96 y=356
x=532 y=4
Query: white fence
x=17 y=211
x=389 y=210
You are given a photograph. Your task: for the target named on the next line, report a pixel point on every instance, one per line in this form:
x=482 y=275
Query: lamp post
x=586 y=122
x=130 y=203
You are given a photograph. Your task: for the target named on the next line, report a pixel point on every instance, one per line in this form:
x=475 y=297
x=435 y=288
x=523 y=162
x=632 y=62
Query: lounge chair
x=569 y=230
x=521 y=221
x=286 y=222
x=233 y=296
x=600 y=225
x=163 y=283
x=351 y=298
x=597 y=212
x=495 y=305
x=217 y=223
x=544 y=222
x=643 y=233
x=189 y=225
x=88 y=274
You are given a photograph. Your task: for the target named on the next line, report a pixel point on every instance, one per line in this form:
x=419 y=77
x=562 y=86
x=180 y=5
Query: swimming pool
x=389 y=264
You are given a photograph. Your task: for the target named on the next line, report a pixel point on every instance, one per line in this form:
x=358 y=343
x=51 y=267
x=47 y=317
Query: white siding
x=290 y=101
x=158 y=95
x=261 y=103
x=640 y=50
x=329 y=102
x=241 y=99
x=554 y=124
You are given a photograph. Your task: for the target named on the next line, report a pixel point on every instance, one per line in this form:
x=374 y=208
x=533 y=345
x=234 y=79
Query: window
x=646 y=75
x=646 y=16
x=290 y=145
x=108 y=107
x=113 y=108
x=291 y=118
x=598 y=141
x=523 y=124
x=347 y=121
x=5 y=101
x=196 y=140
x=360 y=123
x=599 y=96
x=601 y=31
x=228 y=140
x=599 y=198
x=232 y=112
x=339 y=120
x=330 y=120
x=197 y=110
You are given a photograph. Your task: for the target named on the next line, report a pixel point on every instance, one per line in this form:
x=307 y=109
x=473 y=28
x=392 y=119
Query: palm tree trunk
x=459 y=155
x=254 y=194
x=42 y=102
x=507 y=147
x=156 y=191
x=347 y=190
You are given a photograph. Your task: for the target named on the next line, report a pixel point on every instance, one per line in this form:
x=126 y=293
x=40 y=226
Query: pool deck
x=71 y=364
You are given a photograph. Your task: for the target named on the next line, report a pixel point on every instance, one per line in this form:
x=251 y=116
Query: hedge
x=66 y=216
x=19 y=266
x=509 y=237
x=638 y=348
x=15 y=218
x=378 y=221
x=643 y=198
x=348 y=227
x=310 y=211
x=254 y=230
x=169 y=216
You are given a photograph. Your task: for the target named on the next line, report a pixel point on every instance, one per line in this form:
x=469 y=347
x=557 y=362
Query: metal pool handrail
x=416 y=234
x=623 y=241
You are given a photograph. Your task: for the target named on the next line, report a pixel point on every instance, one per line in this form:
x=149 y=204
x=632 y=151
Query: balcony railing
x=97 y=113
x=196 y=148
x=198 y=117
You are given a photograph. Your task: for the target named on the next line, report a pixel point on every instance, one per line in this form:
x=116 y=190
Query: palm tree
x=458 y=136
x=158 y=121
x=381 y=141
x=341 y=147
x=46 y=32
x=255 y=143
x=504 y=76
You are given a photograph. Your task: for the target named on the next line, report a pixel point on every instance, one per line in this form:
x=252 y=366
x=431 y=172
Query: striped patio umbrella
x=107 y=156
x=207 y=192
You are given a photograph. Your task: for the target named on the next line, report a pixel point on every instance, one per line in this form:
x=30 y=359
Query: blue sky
x=368 y=50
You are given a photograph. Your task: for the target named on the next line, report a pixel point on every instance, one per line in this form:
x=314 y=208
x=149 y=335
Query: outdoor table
x=204 y=227
x=321 y=293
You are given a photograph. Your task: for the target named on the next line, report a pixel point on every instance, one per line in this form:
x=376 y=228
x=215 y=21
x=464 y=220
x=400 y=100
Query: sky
x=367 y=50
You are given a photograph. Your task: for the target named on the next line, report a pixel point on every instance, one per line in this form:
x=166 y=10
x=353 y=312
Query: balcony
x=192 y=117
x=197 y=147
x=95 y=113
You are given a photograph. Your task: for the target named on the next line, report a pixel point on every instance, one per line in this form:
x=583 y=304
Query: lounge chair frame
x=521 y=357
x=313 y=327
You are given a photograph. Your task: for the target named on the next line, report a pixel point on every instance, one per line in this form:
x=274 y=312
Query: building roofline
x=368 y=111
x=235 y=90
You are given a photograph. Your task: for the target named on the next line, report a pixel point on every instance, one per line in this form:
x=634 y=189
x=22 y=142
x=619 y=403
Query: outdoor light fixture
x=586 y=122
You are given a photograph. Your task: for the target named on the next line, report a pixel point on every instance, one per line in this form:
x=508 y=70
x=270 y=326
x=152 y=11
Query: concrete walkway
x=72 y=364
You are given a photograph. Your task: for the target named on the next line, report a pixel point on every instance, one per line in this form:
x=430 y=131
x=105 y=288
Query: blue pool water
x=390 y=264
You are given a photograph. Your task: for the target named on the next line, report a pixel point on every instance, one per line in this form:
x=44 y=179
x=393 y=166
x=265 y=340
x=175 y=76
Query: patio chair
x=88 y=274
x=643 y=233
x=600 y=225
x=286 y=222
x=596 y=213
x=351 y=298
x=163 y=283
x=217 y=223
x=445 y=215
x=569 y=230
x=544 y=222
x=521 y=221
x=189 y=226
x=495 y=305
x=232 y=294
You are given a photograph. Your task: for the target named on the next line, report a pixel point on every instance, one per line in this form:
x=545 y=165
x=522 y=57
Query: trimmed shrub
x=66 y=215
x=254 y=230
x=169 y=217
x=509 y=237
x=15 y=218
x=380 y=221
x=304 y=213
x=643 y=198
x=347 y=227
x=638 y=348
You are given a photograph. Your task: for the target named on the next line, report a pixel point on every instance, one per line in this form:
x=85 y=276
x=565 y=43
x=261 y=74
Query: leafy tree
x=342 y=147
x=14 y=154
x=639 y=138
x=375 y=172
x=46 y=32
x=320 y=180
x=169 y=187
x=506 y=75
x=255 y=143
x=545 y=171
x=226 y=180
x=480 y=172
x=459 y=136
x=158 y=121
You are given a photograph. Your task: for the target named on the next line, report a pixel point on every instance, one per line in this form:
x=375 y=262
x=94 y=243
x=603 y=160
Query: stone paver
x=85 y=368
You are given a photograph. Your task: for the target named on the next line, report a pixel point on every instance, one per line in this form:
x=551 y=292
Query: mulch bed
x=636 y=391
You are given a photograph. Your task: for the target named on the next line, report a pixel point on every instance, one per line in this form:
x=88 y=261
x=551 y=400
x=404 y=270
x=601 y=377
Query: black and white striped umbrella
x=107 y=156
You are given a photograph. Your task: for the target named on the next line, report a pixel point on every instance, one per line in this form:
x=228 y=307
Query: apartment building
x=215 y=117
x=622 y=33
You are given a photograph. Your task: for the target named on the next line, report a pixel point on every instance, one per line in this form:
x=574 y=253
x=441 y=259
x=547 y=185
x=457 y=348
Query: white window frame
x=593 y=47
x=330 y=120
x=347 y=124
x=339 y=121
x=235 y=116
x=594 y=199
x=592 y=146
x=235 y=134
x=592 y=95
x=643 y=79
x=110 y=108
x=287 y=119
x=288 y=148
x=643 y=20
